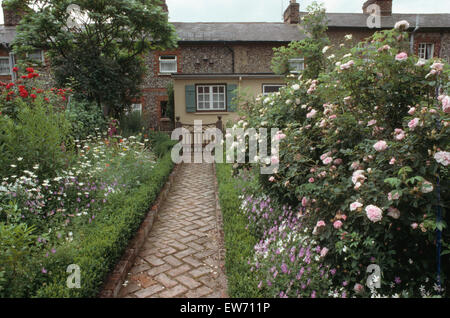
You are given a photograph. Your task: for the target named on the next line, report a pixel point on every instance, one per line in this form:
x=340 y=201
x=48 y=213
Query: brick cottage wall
x=445 y=47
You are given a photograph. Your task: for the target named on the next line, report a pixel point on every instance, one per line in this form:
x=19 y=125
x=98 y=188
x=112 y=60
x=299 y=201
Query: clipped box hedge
x=98 y=248
x=239 y=242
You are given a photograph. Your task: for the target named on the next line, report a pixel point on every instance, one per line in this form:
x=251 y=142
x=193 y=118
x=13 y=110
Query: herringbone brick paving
x=180 y=257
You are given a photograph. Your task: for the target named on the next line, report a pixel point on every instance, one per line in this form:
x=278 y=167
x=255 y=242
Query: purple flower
x=313 y=294
x=333 y=271
x=44 y=271
x=397 y=280
x=284 y=268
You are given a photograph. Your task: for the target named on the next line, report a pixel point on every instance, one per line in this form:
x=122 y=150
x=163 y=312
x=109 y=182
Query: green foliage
x=315 y=26
x=85 y=117
x=16 y=247
x=238 y=240
x=161 y=143
x=105 y=62
x=37 y=137
x=332 y=155
x=101 y=245
x=131 y=123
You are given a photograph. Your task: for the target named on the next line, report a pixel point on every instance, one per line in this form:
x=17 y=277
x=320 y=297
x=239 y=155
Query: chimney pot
x=385 y=6
x=292 y=13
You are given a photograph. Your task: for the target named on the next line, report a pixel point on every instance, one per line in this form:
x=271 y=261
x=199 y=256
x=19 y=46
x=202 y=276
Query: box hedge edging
x=103 y=244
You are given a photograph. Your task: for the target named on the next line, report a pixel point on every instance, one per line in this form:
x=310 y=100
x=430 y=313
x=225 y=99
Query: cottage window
x=5 y=67
x=36 y=56
x=296 y=65
x=426 y=51
x=167 y=64
x=211 y=97
x=136 y=108
x=271 y=88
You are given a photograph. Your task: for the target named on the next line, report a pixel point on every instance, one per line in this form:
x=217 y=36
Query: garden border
x=113 y=282
x=220 y=233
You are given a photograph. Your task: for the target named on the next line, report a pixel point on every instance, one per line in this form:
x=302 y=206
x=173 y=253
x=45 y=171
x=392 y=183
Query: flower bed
x=67 y=203
x=364 y=157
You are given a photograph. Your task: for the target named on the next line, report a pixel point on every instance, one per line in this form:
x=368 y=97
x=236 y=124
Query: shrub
x=160 y=143
x=131 y=123
x=85 y=117
x=365 y=147
x=34 y=141
x=239 y=241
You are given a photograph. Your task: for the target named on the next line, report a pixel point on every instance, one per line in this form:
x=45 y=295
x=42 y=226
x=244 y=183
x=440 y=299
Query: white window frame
x=41 y=60
x=270 y=85
x=7 y=59
x=168 y=59
x=298 y=61
x=136 y=108
x=210 y=97
x=422 y=51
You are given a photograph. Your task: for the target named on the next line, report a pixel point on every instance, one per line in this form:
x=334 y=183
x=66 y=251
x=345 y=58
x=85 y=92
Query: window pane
x=206 y=89
x=4 y=66
x=200 y=89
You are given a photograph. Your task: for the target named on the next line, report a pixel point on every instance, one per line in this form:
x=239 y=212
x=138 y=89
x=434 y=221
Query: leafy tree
x=97 y=46
x=314 y=24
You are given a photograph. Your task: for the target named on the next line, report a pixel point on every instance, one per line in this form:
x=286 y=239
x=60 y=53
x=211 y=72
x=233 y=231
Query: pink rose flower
x=411 y=111
x=414 y=226
x=399 y=134
x=337 y=161
x=446 y=104
x=327 y=160
x=437 y=66
x=305 y=201
x=337 y=224
x=358 y=288
x=392 y=197
x=272 y=179
x=442 y=157
x=355 y=205
x=392 y=161
x=374 y=213
x=380 y=146
x=324 y=252
x=401 y=56
x=414 y=123
x=320 y=223
x=311 y=180
x=311 y=114
x=394 y=213
x=371 y=123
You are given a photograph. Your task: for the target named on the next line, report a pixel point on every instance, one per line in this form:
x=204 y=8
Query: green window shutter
x=190 y=99
x=230 y=95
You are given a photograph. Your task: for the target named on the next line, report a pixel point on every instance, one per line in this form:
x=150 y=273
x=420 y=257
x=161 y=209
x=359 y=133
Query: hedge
x=97 y=250
x=239 y=242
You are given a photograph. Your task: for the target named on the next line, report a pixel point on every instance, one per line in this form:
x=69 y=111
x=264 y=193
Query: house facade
x=215 y=61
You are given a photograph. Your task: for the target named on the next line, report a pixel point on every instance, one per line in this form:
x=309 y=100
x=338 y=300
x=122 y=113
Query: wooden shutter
x=190 y=99
x=231 y=93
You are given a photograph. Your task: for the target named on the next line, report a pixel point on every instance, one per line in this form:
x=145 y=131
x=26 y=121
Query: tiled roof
x=237 y=32
x=359 y=20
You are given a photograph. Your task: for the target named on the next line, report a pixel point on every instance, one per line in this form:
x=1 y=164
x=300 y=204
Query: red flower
x=9 y=85
x=30 y=75
x=24 y=93
x=30 y=70
x=24 y=76
x=15 y=69
x=33 y=96
x=46 y=99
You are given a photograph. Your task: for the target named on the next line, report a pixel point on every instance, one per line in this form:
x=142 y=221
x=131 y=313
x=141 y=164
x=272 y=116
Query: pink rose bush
x=380 y=117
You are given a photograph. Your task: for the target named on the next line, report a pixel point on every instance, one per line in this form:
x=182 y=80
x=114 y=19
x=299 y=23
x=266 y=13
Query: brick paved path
x=180 y=257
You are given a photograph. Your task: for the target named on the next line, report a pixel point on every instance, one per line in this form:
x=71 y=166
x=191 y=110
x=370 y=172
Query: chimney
x=385 y=7
x=292 y=13
x=12 y=16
